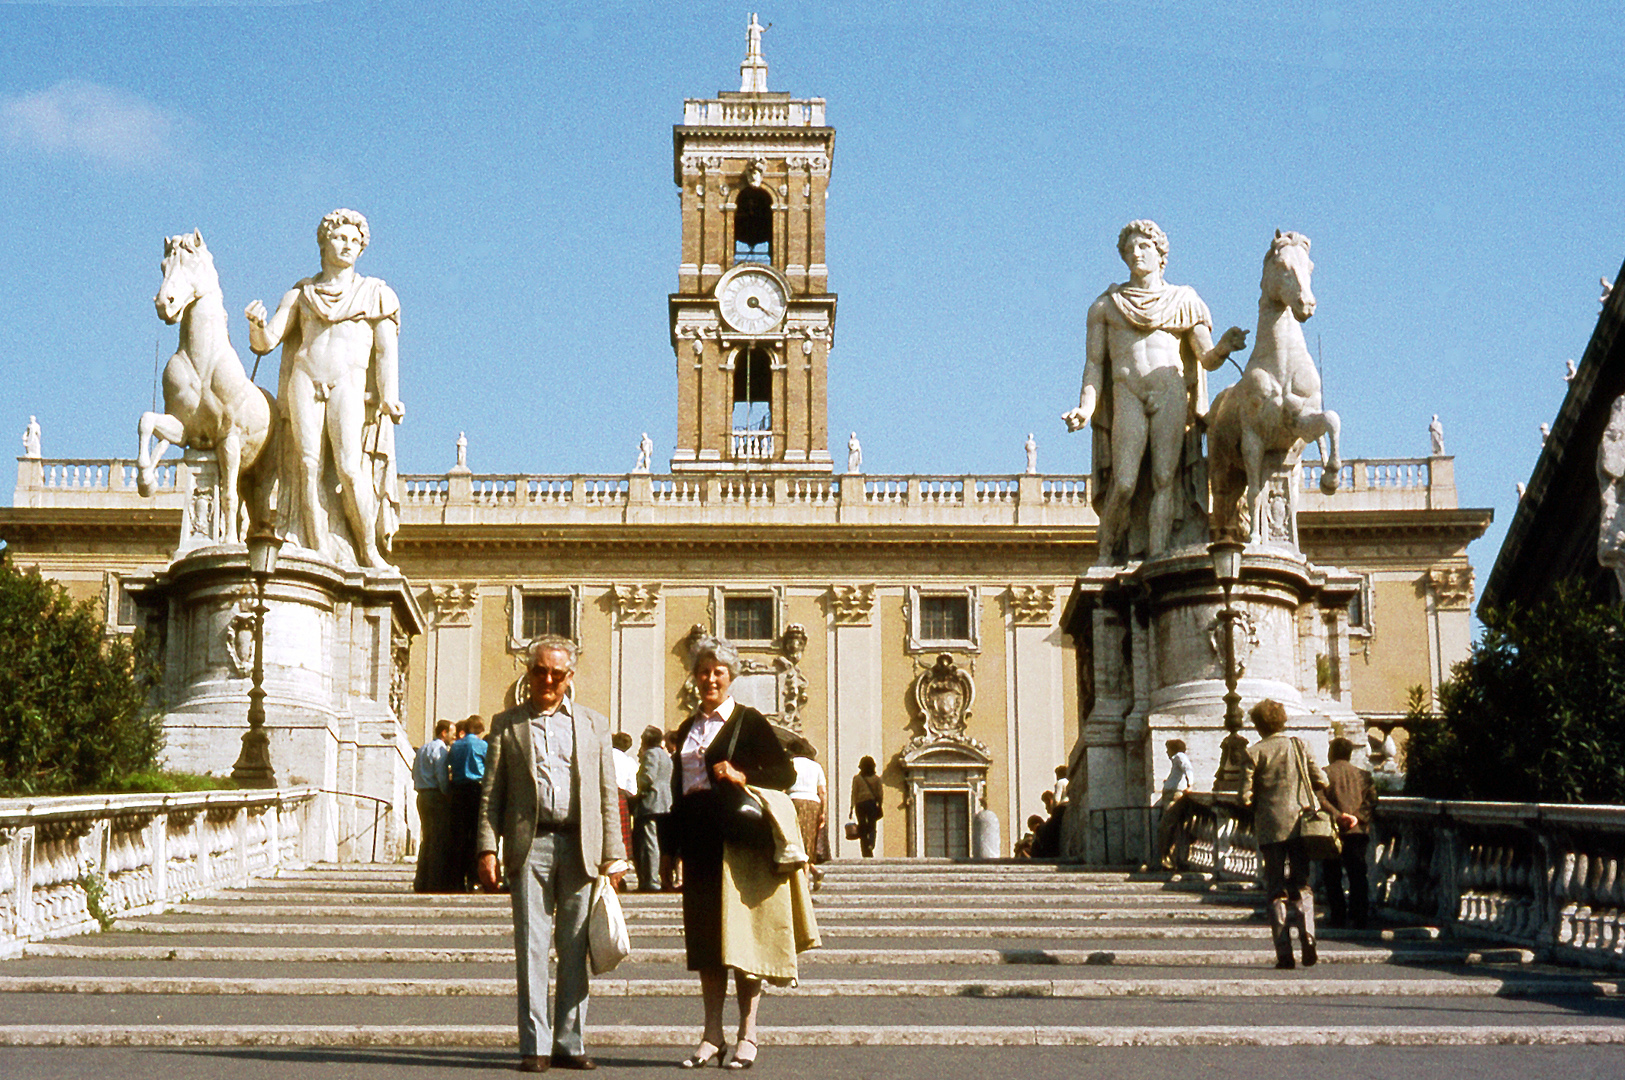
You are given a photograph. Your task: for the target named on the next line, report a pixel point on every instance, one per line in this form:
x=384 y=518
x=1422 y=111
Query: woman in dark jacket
x=866 y=796
x=722 y=746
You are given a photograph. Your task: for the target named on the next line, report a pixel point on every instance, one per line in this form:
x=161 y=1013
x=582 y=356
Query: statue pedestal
x=1151 y=645
x=336 y=644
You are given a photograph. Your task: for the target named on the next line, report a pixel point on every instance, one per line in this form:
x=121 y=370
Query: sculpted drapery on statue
x=338 y=394
x=1144 y=389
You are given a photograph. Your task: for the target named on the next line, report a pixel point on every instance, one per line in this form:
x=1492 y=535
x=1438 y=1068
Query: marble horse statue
x=1275 y=408
x=209 y=400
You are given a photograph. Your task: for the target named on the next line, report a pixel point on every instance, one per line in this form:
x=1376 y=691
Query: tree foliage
x=1536 y=713
x=74 y=712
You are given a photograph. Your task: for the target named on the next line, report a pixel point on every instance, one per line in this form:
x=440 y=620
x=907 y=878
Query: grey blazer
x=654 y=783
x=508 y=795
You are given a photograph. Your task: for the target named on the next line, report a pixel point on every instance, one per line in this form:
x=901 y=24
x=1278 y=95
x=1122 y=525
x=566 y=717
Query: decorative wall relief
x=637 y=605
x=239 y=635
x=400 y=652
x=453 y=603
x=944 y=694
x=1452 y=586
x=851 y=604
x=1031 y=605
x=1246 y=641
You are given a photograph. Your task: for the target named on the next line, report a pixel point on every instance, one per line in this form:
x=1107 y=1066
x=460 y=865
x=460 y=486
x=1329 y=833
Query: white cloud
x=83 y=119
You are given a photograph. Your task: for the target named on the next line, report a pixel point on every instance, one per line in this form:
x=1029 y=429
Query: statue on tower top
x=753 y=72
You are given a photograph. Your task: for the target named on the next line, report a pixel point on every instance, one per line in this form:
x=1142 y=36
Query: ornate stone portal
x=944 y=769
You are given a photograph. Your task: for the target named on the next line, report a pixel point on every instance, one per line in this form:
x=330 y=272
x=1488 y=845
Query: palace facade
x=915 y=619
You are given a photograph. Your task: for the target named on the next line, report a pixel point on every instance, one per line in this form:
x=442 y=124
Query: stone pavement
x=930 y=969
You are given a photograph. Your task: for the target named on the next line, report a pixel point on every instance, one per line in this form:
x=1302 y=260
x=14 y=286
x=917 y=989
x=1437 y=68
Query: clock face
x=752 y=302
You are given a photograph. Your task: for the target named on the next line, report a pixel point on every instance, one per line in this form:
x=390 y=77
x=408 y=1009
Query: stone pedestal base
x=1151 y=642
x=336 y=644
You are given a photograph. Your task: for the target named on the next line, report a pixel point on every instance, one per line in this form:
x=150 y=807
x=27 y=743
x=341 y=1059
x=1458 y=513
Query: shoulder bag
x=1315 y=826
x=744 y=820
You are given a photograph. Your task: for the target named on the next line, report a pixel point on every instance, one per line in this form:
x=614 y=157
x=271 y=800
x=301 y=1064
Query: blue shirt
x=429 y=768
x=467 y=760
x=553 y=747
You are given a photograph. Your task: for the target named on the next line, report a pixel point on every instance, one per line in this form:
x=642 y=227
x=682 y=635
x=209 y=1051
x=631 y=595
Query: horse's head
x=1286 y=274
x=188 y=274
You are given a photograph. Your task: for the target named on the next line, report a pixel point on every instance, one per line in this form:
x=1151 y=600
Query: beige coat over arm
x=508 y=797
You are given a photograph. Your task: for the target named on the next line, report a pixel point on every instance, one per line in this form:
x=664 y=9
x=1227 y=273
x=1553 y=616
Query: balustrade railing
x=73 y=864
x=750 y=444
x=1548 y=877
x=1535 y=874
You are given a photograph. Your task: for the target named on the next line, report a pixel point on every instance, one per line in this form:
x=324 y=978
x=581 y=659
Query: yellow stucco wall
x=1394 y=657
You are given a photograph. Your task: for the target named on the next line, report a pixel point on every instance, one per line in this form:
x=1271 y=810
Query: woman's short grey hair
x=551 y=643
x=719 y=649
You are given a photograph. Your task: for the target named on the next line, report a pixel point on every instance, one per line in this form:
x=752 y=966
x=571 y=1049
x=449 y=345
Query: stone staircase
x=937 y=961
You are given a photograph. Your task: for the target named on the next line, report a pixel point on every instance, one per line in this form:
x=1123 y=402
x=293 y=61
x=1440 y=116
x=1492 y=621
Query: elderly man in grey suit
x=550 y=794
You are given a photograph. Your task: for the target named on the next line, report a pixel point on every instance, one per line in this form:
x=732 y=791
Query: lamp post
x=253 y=768
x=1226 y=556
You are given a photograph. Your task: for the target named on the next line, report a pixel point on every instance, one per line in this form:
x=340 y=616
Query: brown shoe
x=561 y=1060
x=533 y=1063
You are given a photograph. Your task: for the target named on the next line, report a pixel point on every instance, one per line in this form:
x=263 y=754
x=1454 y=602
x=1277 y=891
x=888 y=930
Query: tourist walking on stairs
x=1352 y=793
x=1271 y=784
x=866 y=795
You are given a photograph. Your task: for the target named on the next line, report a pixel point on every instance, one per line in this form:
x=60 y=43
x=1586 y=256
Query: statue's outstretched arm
x=1212 y=356
x=265 y=335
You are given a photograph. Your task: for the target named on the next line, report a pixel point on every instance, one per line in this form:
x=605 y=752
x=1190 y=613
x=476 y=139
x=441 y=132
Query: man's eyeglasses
x=556 y=674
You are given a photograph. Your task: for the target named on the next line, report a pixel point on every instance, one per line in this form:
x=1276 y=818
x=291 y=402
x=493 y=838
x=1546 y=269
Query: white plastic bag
x=608 y=942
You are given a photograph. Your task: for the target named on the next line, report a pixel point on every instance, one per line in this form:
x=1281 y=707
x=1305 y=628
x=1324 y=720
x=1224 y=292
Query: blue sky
x=1458 y=168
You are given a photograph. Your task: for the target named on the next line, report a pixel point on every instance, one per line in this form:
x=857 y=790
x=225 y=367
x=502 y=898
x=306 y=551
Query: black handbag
x=1315 y=826
x=744 y=818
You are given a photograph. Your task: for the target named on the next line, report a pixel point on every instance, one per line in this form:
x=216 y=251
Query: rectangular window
x=947 y=825
x=546 y=613
x=748 y=618
x=126 y=607
x=1360 y=607
x=945 y=618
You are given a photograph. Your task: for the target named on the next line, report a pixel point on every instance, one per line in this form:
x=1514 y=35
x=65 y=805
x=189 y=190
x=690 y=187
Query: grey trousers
x=646 y=850
x=550 y=900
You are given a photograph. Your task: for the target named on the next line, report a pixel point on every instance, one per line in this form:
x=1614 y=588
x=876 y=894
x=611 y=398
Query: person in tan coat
x=1272 y=784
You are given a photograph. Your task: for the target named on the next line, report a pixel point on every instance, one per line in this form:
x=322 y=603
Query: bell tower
x=752 y=320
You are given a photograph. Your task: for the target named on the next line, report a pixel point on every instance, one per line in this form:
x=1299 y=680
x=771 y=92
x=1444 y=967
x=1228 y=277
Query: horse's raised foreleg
x=169 y=431
x=1313 y=427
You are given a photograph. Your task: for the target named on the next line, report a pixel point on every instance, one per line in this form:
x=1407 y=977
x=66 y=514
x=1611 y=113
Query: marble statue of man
x=462 y=450
x=340 y=398
x=646 y=453
x=1149 y=345
x=1032 y=454
x=854 y=454
x=1435 y=436
x=31 y=438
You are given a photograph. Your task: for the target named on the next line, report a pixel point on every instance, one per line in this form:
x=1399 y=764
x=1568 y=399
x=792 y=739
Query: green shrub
x=1536 y=713
x=74 y=712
